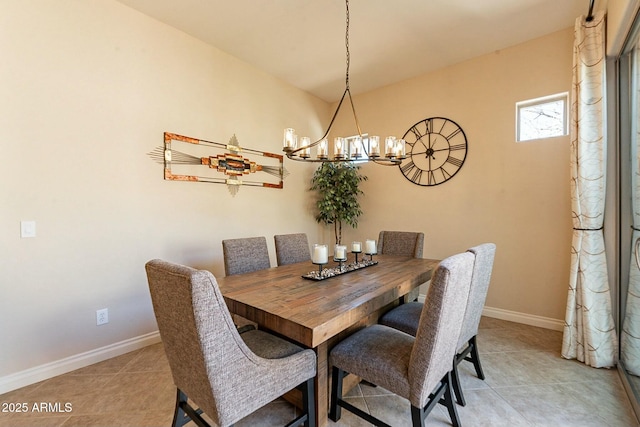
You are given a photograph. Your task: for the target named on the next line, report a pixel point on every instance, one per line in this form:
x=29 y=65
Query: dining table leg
x=322 y=384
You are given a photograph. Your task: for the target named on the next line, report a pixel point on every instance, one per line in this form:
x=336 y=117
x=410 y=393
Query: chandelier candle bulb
x=400 y=149
x=305 y=144
x=323 y=149
x=290 y=139
x=356 y=147
x=370 y=247
x=374 y=146
x=389 y=145
x=338 y=147
x=320 y=254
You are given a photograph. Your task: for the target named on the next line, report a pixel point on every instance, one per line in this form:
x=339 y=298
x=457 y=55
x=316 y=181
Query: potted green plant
x=337 y=187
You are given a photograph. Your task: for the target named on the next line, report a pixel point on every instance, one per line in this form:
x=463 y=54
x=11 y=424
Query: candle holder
x=340 y=255
x=320 y=265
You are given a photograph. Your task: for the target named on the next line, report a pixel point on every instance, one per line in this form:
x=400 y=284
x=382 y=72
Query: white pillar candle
x=356 y=247
x=340 y=252
x=370 y=247
x=320 y=254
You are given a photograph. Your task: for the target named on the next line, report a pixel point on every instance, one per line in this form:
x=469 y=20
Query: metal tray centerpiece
x=327 y=273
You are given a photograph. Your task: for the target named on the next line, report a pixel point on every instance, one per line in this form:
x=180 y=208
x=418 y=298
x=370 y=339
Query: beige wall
x=87 y=89
x=514 y=194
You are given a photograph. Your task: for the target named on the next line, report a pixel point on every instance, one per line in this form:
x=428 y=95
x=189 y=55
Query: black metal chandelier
x=361 y=147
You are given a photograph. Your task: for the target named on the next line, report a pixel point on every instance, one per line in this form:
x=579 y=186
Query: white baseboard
x=524 y=318
x=71 y=363
x=514 y=316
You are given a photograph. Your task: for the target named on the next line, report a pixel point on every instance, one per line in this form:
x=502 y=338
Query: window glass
x=542 y=118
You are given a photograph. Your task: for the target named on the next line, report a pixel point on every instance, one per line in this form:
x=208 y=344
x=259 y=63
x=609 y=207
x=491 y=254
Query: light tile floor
x=527 y=384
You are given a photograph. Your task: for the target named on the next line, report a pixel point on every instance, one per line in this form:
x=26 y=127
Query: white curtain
x=589 y=332
x=630 y=337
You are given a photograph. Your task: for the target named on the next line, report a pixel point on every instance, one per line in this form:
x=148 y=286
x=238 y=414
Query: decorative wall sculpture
x=191 y=159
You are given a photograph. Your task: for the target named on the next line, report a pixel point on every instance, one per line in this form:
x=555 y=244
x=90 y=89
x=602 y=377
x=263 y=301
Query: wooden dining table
x=318 y=314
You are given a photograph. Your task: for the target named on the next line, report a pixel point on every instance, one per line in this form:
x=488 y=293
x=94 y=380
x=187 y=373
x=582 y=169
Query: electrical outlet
x=102 y=316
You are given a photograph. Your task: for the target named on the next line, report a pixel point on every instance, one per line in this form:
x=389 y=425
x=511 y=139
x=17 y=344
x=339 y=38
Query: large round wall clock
x=436 y=150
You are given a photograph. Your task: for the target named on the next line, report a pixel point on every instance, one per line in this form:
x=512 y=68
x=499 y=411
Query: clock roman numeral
x=416 y=132
x=417 y=175
x=406 y=169
x=432 y=178
x=412 y=172
x=446 y=175
x=454 y=133
x=429 y=125
x=457 y=147
x=454 y=161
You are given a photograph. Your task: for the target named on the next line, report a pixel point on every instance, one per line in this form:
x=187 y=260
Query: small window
x=542 y=117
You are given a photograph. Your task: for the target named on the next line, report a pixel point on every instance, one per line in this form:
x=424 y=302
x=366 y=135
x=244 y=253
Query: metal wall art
x=191 y=159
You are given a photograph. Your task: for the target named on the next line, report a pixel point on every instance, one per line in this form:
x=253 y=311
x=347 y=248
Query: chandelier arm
x=335 y=114
x=355 y=116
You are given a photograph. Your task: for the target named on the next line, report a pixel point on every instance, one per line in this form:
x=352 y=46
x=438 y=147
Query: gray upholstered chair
x=406 y=317
x=418 y=369
x=292 y=248
x=401 y=243
x=226 y=375
x=245 y=255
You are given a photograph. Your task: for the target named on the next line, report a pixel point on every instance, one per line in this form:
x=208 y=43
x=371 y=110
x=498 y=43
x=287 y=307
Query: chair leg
x=439 y=396
x=335 y=411
x=308 y=416
x=185 y=413
x=475 y=357
x=455 y=379
x=179 y=416
x=417 y=417
x=449 y=402
x=308 y=399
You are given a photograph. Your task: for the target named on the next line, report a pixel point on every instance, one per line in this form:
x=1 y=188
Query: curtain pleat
x=589 y=332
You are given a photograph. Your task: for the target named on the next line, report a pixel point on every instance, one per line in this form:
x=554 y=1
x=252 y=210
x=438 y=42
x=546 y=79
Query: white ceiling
x=302 y=41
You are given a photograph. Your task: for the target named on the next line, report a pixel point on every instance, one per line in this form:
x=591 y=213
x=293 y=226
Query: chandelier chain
x=346 y=43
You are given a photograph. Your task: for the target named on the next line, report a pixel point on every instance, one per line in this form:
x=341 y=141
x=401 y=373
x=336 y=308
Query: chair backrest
x=209 y=360
x=405 y=243
x=245 y=255
x=292 y=248
x=439 y=327
x=482 y=269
